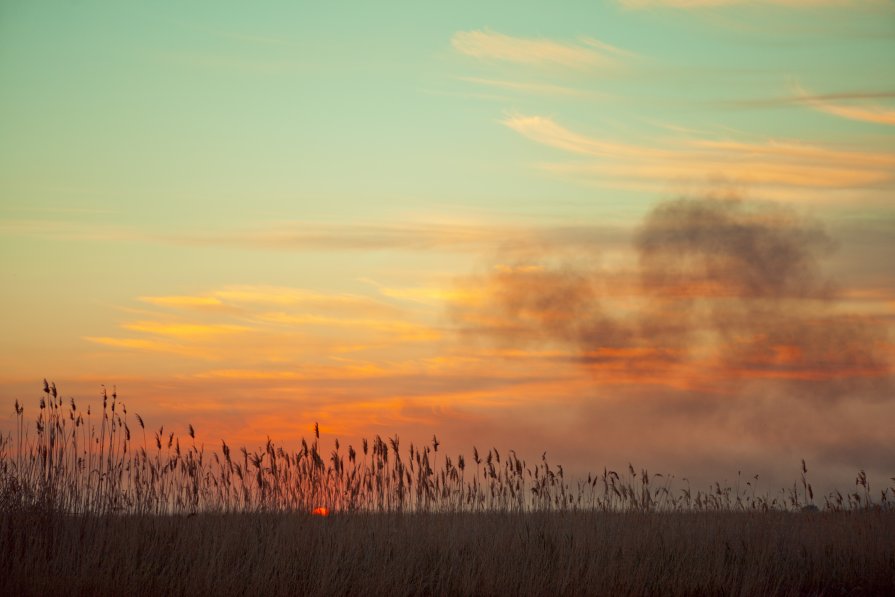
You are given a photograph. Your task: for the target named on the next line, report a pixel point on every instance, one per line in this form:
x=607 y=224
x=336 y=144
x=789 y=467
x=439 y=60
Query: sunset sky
x=656 y=231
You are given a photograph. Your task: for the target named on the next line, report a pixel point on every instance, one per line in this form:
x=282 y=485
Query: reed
x=77 y=465
x=96 y=503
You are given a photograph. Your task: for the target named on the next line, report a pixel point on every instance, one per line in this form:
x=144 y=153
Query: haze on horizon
x=657 y=232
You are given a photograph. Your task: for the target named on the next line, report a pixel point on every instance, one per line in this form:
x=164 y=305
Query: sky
x=647 y=231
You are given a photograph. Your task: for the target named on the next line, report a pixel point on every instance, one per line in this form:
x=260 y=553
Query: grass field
x=552 y=553
x=89 y=505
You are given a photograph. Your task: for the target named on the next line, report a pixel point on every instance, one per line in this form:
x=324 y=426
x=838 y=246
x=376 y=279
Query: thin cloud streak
x=311 y=236
x=409 y=237
x=272 y=325
x=865 y=113
x=486 y=44
x=184 y=330
x=773 y=163
x=797 y=98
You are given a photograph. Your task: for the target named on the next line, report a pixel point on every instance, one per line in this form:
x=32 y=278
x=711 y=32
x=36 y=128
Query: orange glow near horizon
x=653 y=235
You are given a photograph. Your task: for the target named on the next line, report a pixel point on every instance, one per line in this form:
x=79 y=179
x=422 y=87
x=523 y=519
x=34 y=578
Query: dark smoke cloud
x=726 y=294
x=733 y=248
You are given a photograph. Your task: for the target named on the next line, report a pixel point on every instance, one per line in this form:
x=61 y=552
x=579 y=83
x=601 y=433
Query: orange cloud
x=279 y=328
x=183 y=330
x=773 y=163
x=181 y=302
x=150 y=345
x=402 y=330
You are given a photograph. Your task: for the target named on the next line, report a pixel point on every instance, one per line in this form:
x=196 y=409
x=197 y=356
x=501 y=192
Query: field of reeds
x=99 y=503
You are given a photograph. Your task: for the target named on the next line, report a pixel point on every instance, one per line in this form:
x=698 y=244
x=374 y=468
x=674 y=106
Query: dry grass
x=97 y=504
x=548 y=553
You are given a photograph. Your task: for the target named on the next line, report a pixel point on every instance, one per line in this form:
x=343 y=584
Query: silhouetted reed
x=109 y=462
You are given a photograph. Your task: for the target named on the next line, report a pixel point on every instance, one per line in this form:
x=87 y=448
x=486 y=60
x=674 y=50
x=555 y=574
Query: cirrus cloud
x=773 y=163
x=486 y=44
x=874 y=113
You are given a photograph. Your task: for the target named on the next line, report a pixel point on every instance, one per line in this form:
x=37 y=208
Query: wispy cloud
x=261 y=295
x=396 y=329
x=428 y=295
x=184 y=330
x=486 y=44
x=772 y=163
x=864 y=112
x=415 y=236
x=268 y=325
x=862 y=105
x=795 y=98
x=150 y=345
x=185 y=302
x=310 y=236
x=412 y=236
